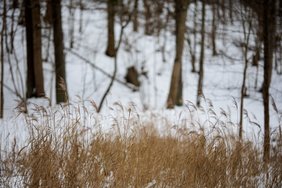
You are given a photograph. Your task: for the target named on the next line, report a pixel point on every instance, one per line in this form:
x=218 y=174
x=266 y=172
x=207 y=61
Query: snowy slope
x=222 y=78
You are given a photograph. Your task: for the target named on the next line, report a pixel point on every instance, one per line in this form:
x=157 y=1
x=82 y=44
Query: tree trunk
x=81 y=7
x=280 y=10
x=231 y=10
x=158 y=10
x=268 y=39
x=135 y=16
x=223 y=11
x=21 y=20
x=71 y=23
x=110 y=51
x=247 y=24
x=48 y=13
x=195 y=24
x=243 y=89
x=38 y=69
x=35 y=81
x=213 y=34
x=29 y=47
x=175 y=92
x=2 y=60
x=202 y=54
x=15 y=4
x=61 y=87
x=148 y=18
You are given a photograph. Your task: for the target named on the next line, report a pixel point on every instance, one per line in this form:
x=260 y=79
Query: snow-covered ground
x=222 y=77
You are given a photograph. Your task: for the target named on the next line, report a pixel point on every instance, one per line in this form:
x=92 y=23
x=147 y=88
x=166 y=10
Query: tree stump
x=132 y=76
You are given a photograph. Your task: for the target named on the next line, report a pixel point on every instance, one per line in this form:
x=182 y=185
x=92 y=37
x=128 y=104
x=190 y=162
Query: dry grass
x=61 y=152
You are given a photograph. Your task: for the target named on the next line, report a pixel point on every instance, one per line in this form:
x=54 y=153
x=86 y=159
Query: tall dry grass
x=64 y=151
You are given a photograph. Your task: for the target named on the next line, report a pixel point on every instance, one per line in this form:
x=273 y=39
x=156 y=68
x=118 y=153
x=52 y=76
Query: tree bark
x=71 y=23
x=2 y=60
x=15 y=4
x=247 y=24
x=61 y=85
x=195 y=24
x=38 y=69
x=202 y=55
x=110 y=51
x=268 y=40
x=48 y=13
x=231 y=10
x=243 y=88
x=175 y=91
x=213 y=34
x=148 y=18
x=135 y=16
x=35 y=81
x=29 y=47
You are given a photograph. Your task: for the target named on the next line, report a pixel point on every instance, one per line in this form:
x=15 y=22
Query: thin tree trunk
x=158 y=10
x=15 y=4
x=48 y=12
x=202 y=54
x=35 y=81
x=135 y=16
x=38 y=66
x=268 y=33
x=148 y=18
x=280 y=10
x=61 y=85
x=193 y=51
x=29 y=46
x=247 y=32
x=21 y=19
x=192 y=54
x=2 y=60
x=12 y=30
x=110 y=51
x=175 y=91
x=213 y=34
x=231 y=10
x=243 y=89
x=71 y=23
x=223 y=11
x=81 y=6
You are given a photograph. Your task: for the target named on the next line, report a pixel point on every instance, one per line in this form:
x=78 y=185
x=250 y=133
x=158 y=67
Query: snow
x=222 y=80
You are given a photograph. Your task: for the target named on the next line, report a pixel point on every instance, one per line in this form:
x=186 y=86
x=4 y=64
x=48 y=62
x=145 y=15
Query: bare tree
x=71 y=22
x=214 y=27
x=193 y=51
x=175 y=91
x=58 y=39
x=35 y=81
x=15 y=4
x=149 y=29
x=48 y=12
x=135 y=16
x=246 y=18
x=202 y=55
x=111 y=6
x=2 y=59
x=231 y=10
x=268 y=40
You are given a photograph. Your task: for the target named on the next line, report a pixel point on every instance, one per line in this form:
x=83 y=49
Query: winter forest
x=141 y=93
